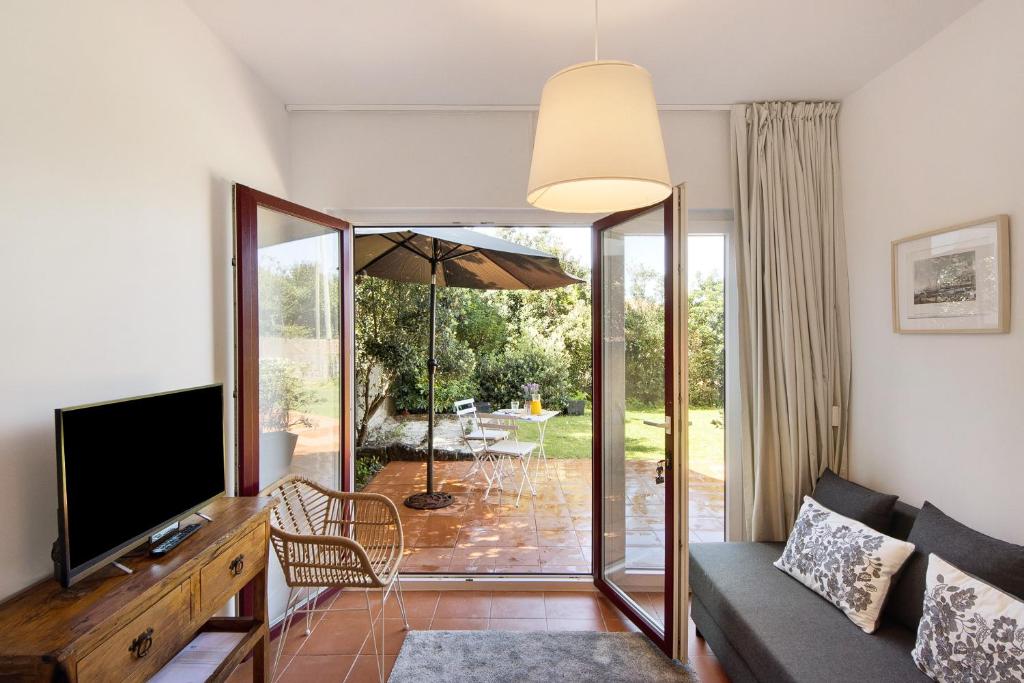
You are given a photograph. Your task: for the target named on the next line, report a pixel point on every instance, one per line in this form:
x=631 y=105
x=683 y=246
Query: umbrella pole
x=431 y=500
x=431 y=371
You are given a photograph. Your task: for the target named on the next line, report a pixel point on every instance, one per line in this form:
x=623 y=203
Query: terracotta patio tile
x=459 y=624
x=520 y=555
x=517 y=625
x=562 y=556
x=463 y=604
x=418 y=604
x=436 y=532
x=479 y=555
x=365 y=669
x=554 y=523
x=592 y=624
x=568 y=605
x=516 y=524
x=338 y=634
x=517 y=605
x=477 y=536
x=457 y=567
x=427 y=560
x=323 y=668
x=562 y=538
x=394 y=634
x=620 y=625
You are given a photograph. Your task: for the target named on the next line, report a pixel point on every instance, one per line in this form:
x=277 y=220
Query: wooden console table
x=126 y=627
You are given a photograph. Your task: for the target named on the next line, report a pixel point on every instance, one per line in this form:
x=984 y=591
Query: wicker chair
x=329 y=539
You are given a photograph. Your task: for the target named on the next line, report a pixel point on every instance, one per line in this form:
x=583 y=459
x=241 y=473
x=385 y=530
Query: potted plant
x=284 y=399
x=577 y=404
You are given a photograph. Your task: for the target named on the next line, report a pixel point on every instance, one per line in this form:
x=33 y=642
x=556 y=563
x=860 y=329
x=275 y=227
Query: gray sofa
x=763 y=625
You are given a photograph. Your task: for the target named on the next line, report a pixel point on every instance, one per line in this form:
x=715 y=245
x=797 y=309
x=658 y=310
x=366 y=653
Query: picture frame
x=953 y=280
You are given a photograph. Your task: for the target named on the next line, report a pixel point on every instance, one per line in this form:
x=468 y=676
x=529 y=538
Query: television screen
x=128 y=468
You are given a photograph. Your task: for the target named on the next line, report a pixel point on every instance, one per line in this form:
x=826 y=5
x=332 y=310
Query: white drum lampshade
x=598 y=146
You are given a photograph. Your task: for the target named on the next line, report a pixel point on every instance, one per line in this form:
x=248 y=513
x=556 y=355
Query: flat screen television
x=129 y=468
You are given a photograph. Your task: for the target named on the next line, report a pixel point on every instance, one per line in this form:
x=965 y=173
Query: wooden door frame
x=668 y=206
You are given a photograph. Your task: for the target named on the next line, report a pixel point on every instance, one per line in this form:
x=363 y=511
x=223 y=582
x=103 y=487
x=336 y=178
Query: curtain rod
x=473 y=107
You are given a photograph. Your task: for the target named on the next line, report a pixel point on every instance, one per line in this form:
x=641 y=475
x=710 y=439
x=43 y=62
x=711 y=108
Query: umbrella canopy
x=465 y=258
x=451 y=257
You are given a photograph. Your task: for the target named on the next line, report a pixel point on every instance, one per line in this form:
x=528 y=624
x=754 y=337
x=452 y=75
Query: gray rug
x=512 y=657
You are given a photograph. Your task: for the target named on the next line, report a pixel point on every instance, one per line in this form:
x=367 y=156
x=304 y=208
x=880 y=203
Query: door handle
x=665 y=424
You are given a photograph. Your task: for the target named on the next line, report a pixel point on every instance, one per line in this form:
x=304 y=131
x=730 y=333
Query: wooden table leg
x=261 y=651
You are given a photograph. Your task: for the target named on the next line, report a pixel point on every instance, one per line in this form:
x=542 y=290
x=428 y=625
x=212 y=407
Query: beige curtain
x=793 y=306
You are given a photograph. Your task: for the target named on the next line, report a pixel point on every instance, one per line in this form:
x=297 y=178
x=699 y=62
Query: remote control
x=173 y=540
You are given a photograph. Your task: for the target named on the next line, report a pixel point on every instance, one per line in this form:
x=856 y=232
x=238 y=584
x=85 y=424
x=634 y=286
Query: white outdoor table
x=541 y=421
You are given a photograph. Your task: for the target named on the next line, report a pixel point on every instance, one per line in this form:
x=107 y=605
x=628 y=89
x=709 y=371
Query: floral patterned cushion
x=848 y=563
x=970 y=631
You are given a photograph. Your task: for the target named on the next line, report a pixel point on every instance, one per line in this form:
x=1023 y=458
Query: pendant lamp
x=598 y=146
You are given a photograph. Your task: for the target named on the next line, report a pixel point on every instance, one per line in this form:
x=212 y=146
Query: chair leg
x=401 y=601
x=309 y=611
x=378 y=651
x=288 y=614
x=524 y=465
x=380 y=663
x=495 y=475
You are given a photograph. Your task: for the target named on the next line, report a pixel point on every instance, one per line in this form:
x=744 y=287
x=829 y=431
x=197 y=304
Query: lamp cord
x=595 y=30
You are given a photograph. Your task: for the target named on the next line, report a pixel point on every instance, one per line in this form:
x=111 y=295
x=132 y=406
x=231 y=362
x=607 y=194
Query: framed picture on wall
x=953 y=280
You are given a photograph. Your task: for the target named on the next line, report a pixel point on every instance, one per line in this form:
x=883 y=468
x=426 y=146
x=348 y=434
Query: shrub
x=501 y=376
x=367 y=467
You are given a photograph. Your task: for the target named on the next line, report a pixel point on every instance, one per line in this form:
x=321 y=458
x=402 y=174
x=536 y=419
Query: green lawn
x=569 y=437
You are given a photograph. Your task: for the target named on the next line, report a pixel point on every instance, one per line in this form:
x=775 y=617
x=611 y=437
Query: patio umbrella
x=451 y=257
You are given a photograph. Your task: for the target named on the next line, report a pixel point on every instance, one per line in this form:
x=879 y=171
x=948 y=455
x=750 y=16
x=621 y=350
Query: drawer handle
x=140 y=646
x=237 y=565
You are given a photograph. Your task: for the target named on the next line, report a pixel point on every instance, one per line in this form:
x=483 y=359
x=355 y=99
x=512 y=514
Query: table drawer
x=234 y=567
x=138 y=650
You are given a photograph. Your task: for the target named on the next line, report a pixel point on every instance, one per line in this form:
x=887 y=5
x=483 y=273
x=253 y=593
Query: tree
x=388 y=333
x=706 y=348
x=644 y=326
x=392 y=338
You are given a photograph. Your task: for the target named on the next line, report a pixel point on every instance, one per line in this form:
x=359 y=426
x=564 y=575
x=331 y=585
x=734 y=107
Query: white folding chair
x=475 y=431
x=505 y=453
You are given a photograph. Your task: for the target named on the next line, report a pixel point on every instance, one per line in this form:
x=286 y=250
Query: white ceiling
x=499 y=52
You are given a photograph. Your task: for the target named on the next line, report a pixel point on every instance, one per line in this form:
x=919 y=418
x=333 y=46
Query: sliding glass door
x=639 y=413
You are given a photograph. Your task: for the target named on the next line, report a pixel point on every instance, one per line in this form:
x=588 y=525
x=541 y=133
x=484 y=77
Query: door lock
x=659 y=476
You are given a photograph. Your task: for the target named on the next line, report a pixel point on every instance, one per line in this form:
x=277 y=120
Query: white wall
x=936 y=140
x=346 y=160
x=122 y=126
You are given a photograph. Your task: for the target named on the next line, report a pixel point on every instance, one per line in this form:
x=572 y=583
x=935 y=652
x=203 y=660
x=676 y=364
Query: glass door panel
x=298 y=282
x=636 y=415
